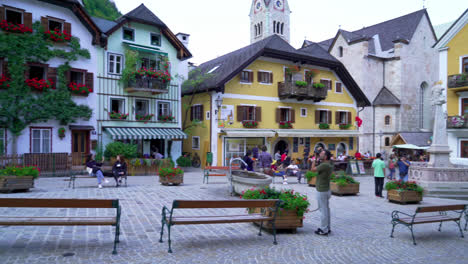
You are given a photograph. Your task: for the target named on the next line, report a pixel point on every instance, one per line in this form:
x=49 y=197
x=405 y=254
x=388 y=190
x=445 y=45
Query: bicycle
x=196 y=162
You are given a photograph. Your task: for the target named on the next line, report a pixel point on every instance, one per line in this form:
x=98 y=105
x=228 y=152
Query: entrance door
x=282 y=146
x=80 y=146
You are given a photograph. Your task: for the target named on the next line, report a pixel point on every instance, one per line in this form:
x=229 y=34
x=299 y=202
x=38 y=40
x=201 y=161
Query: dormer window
x=14 y=16
x=129 y=34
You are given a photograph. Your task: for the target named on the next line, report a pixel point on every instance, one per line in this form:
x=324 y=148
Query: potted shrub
x=344 y=126
x=174 y=176
x=292 y=209
x=301 y=84
x=285 y=124
x=250 y=124
x=184 y=161
x=404 y=192
x=311 y=177
x=319 y=85
x=18 y=178
x=344 y=184
x=61 y=132
x=324 y=126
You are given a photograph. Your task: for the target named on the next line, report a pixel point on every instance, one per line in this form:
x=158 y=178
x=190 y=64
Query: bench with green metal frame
x=83 y=174
x=210 y=171
x=6 y=220
x=169 y=220
x=456 y=214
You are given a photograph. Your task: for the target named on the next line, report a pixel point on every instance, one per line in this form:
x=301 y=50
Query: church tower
x=268 y=17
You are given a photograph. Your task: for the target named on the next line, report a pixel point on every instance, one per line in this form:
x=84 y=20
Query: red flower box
x=57 y=36
x=15 y=28
x=4 y=82
x=285 y=124
x=39 y=84
x=78 y=88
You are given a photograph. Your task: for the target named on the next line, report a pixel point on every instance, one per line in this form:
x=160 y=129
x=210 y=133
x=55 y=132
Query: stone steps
x=449 y=190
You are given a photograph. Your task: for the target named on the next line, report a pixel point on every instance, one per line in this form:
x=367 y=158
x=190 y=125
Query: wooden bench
x=85 y=175
x=168 y=218
x=209 y=171
x=456 y=213
x=62 y=220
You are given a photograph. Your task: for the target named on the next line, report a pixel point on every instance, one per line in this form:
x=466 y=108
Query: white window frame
x=331 y=83
x=264 y=83
x=115 y=54
x=463 y=95
x=55 y=20
x=459 y=147
x=288 y=115
x=134 y=35
x=336 y=82
x=241 y=82
x=41 y=139
x=193 y=145
x=169 y=108
x=15 y=10
x=83 y=76
x=346 y=116
x=142 y=99
x=303 y=109
x=118 y=98
x=389 y=123
x=460 y=63
x=160 y=39
x=320 y=115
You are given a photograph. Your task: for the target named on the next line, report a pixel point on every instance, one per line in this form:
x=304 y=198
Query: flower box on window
x=61 y=132
x=57 y=35
x=145 y=117
x=117 y=115
x=250 y=124
x=324 y=126
x=14 y=28
x=39 y=84
x=79 y=89
x=4 y=82
x=166 y=118
x=344 y=126
x=285 y=124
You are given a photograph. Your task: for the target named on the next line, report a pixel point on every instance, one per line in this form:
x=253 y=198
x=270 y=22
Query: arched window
x=256 y=30
x=387 y=141
x=274 y=26
x=340 y=51
x=278 y=27
x=282 y=28
x=320 y=144
x=388 y=119
x=261 y=28
x=342 y=149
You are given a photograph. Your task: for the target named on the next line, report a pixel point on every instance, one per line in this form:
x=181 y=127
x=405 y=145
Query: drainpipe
x=357 y=141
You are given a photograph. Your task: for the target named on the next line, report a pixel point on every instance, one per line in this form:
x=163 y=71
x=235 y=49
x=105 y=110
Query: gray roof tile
x=386 y=97
x=419 y=139
x=103 y=24
x=142 y=13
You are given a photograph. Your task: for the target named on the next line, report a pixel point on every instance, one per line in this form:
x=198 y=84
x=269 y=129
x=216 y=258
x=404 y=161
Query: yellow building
x=271 y=94
x=453 y=64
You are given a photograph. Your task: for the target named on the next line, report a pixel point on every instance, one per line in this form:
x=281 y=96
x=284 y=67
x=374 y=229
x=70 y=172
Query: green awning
x=145 y=49
x=145 y=133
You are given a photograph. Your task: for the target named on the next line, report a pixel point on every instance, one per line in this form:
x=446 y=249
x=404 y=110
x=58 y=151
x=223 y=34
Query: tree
x=19 y=107
x=102 y=9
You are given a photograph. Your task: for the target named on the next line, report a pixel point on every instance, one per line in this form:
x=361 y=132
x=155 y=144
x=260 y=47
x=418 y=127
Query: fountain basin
x=245 y=180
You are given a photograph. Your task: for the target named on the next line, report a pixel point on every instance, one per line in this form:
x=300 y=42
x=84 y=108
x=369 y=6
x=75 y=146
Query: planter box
x=13 y=183
x=312 y=181
x=285 y=219
x=404 y=196
x=351 y=188
x=176 y=180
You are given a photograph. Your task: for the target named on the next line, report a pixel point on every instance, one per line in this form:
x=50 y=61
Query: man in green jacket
x=324 y=171
x=379 y=174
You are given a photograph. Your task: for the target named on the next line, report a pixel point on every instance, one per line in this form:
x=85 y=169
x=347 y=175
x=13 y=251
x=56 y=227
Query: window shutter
x=45 y=23
x=5 y=68
x=251 y=74
x=202 y=113
x=271 y=77
x=258 y=114
x=278 y=115
x=2 y=13
x=67 y=27
x=240 y=113
x=329 y=117
x=317 y=117
x=27 y=19
x=330 y=87
x=292 y=115
x=52 y=75
x=89 y=80
x=191 y=113
x=259 y=76
x=337 y=117
x=349 y=118
x=26 y=72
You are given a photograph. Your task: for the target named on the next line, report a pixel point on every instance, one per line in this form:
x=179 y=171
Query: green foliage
x=310 y=174
x=131 y=59
x=20 y=171
x=344 y=126
x=19 y=107
x=290 y=199
x=183 y=161
x=404 y=186
x=170 y=172
x=301 y=84
x=167 y=163
x=102 y=8
x=99 y=153
x=324 y=126
x=319 y=85
x=113 y=149
x=343 y=179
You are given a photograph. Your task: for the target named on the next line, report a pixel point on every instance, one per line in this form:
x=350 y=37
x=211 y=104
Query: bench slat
x=440 y=208
x=428 y=219
x=51 y=221
x=193 y=220
x=58 y=203
x=193 y=204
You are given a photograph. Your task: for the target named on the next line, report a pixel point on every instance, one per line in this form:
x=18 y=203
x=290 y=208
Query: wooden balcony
x=458 y=82
x=147 y=85
x=288 y=90
x=453 y=122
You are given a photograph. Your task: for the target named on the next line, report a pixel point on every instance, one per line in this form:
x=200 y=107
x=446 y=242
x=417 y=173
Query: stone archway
x=281 y=145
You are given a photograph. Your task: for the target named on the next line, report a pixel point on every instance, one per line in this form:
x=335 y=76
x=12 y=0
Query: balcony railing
x=147 y=85
x=290 y=90
x=458 y=80
x=458 y=122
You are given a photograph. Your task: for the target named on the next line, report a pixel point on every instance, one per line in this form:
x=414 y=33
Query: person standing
x=379 y=174
x=264 y=159
x=324 y=171
x=391 y=166
x=403 y=167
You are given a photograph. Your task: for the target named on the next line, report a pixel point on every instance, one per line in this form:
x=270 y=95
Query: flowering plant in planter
x=117 y=115
x=39 y=84
x=324 y=126
x=57 y=36
x=250 y=124
x=291 y=200
x=401 y=186
x=144 y=117
x=344 y=126
x=292 y=70
x=310 y=74
x=4 y=82
x=15 y=28
x=21 y=171
x=170 y=172
x=61 y=132
x=166 y=118
x=457 y=121
x=301 y=84
x=319 y=85
x=342 y=180
x=285 y=124
x=79 y=88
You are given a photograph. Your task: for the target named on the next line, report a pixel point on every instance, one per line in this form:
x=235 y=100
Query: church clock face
x=279 y=5
x=258 y=6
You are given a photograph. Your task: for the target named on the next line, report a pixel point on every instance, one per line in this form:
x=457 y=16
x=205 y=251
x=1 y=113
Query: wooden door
x=80 y=146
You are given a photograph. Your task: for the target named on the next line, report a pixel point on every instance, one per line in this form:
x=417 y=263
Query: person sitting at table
x=292 y=170
x=341 y=157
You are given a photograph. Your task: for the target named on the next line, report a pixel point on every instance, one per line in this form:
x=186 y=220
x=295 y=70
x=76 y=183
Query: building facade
x=453 y=71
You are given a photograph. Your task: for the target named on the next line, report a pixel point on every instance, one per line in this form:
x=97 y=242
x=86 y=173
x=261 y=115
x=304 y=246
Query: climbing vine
x=19 y=106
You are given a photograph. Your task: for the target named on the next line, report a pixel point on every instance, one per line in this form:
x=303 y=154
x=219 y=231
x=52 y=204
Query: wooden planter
x=312 y=181
x=285 y=219
x=14 y=183
x=404 y=196
x=175 y=180
x=350 y=189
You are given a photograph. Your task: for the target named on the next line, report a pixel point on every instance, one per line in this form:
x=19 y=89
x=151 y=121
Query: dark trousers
x=379 y=181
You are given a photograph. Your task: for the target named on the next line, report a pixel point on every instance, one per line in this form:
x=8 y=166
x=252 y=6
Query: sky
x=217 y=27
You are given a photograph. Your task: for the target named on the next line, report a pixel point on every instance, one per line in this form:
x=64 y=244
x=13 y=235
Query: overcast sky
x=217 y=27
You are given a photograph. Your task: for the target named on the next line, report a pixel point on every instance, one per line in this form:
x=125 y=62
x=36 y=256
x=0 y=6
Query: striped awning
x=145 y=133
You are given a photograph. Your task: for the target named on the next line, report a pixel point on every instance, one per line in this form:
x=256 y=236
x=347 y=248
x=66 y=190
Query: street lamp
x=219 y=103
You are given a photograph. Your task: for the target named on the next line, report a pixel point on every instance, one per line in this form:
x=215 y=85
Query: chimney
x=184 y=38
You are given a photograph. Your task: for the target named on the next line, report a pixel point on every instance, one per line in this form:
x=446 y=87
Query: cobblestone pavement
x=360 y=224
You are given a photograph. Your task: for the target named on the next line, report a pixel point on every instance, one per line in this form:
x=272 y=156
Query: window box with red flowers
x=117 y=115
x=344 y=126
x=250 y=124
x=14 y=28
x=166 y=118
x=79 y=89
x=144 y=117
x=148 y=80
x=285 y=124
x=324 y=126
x=57 y=35
x=39 y=84
x=4 y=82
